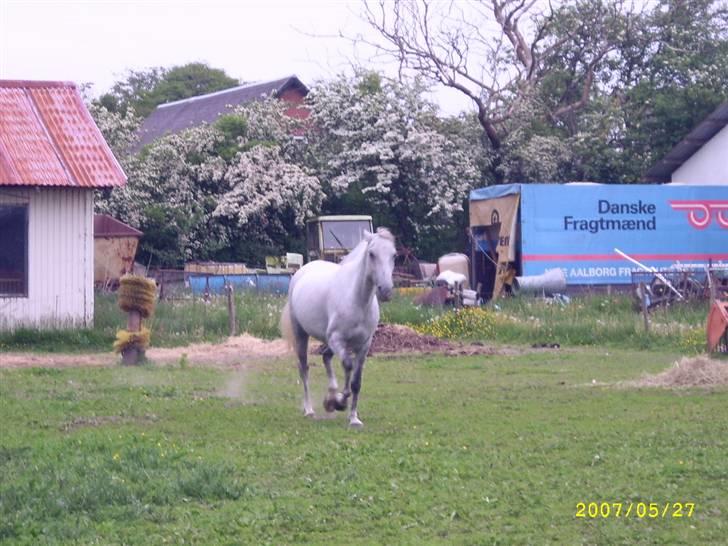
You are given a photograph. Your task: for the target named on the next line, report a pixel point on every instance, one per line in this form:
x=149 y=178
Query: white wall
x=60 y=259
x=707 y=166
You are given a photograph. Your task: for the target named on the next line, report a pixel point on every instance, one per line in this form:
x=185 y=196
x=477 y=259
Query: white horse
x=338 y=304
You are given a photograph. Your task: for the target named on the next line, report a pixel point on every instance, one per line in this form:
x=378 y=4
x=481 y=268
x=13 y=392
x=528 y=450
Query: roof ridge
x=36 y=83
x=223 y=91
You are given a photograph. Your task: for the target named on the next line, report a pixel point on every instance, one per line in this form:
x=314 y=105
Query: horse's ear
x=368 y=235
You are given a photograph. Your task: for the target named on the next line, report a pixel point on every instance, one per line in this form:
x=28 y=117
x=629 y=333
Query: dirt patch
x=52 y=360
x=236 y=352
x=397 y=339
x=687 y=372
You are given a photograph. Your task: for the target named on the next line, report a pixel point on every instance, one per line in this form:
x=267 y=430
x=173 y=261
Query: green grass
x=587 y=320
x=466 y=450
x=174 y=323
x=602 y=320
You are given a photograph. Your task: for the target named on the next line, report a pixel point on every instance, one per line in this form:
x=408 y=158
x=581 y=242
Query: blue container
x=576 y=227
x=266 y=283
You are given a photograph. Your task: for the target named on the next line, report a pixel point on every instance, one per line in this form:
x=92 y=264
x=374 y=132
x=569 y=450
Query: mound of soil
x=395 y=338
x=398 y=339
x=688 y=372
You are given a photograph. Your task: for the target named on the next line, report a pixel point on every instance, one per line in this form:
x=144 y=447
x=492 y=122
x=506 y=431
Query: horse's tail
x=286 y=326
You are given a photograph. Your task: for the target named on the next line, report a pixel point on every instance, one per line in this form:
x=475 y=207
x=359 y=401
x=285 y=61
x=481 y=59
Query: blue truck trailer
x=527 y=229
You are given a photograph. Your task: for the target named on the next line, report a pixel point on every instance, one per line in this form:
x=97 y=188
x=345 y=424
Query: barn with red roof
x=52 y=159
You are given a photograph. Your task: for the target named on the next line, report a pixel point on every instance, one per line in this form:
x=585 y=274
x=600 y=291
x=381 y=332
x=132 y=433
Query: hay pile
x=700 y=371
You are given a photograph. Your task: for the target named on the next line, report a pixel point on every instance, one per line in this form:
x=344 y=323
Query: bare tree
x=496 y=52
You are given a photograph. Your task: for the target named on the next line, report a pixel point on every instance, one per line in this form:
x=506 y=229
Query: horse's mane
x=384 y=233
x=359 y=249
x=356 y=253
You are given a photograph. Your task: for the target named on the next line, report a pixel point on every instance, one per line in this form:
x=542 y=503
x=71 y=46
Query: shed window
x=13 y=250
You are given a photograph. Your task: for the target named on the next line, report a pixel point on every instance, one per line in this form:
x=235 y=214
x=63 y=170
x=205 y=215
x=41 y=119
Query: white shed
x=700 y=157
x=52 y=158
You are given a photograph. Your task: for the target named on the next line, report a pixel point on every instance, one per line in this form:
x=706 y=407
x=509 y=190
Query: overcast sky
x=97 y=41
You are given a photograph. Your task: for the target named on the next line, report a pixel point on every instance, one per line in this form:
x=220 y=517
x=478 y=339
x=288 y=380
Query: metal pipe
x=650 y=270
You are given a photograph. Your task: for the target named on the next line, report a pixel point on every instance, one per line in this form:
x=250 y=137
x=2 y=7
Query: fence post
x=132 y=355
x=231 y=309
x=643 y=304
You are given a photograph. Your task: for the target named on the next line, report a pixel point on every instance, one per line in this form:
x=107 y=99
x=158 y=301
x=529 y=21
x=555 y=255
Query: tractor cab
x=331 y=238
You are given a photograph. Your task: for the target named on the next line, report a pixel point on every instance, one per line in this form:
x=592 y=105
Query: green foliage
x=369 y=83
x=402 y=309
x=189 y=80
x=667 y=71
x=130 y=92
x=144 y=90
x=233 y=127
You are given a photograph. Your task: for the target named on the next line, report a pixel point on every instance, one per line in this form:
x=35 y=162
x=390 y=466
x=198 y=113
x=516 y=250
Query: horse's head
x=380 y=261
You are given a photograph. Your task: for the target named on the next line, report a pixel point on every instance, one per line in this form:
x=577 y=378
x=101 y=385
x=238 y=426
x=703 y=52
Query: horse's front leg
x=338 y=346
x=361 y=356
x=333 y=400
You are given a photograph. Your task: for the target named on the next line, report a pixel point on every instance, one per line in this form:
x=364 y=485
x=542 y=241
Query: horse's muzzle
x=384 y=294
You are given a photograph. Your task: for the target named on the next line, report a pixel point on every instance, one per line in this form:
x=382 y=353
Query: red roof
x=48 y=138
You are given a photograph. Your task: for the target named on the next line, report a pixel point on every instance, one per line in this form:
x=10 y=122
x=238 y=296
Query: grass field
x=456 y=450
x=587 y=320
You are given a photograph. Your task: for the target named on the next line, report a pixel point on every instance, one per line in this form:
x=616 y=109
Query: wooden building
x=52 y=158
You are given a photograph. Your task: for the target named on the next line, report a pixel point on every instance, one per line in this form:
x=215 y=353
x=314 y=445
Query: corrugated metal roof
x=108 y=226
x=48 y=138
x=684 y=150
x=173 y=117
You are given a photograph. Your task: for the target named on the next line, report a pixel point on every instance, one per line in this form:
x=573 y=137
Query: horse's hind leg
x=301 y=347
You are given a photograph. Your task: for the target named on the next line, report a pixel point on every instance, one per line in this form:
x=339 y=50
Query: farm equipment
x=680 y=283
x=331 y=238
x=717 y=327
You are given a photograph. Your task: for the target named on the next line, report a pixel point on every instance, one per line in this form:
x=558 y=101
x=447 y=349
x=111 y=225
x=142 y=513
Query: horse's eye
x=371 y=255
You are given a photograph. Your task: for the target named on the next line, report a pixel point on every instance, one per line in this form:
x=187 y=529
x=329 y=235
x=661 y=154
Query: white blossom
x=386 y=141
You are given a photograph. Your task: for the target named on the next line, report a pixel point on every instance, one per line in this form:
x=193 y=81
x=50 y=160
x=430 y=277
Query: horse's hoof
x=355 y=423
x=310 y=414
x=340 y=402
x=329 y=404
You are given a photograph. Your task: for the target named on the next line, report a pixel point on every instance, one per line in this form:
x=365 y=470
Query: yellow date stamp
x=631 y=509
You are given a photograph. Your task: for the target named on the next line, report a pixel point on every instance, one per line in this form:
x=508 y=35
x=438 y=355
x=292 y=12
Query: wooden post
x=711 y=287
x=132 y=355
x=232 y=327
x=643 y=302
